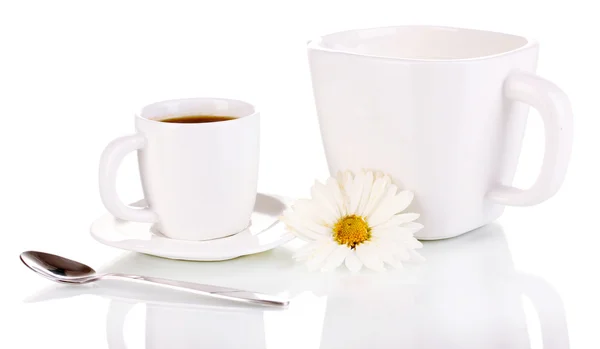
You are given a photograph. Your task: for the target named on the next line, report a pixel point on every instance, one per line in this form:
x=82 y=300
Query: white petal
x=413 y=243
x=304 y=227
x=368 y=256
x=394 y=233
x=346 y=180
x=298 y=230
x=318 y=228
x=404 y=218
x=366 y=193
x=333 y=186
x=391 y=260
x=402 y=254
x=302 y=234
x=402 y=200
x=386 y=253
x=352 y=262
x=336 y=258
x=400 y=220
x=386 y=210
x=315 y=211
x=413 y=226
x=381 y=230
x=308 y=222
x=303 y=206
x=345 y=184
x=355 y=192
x=415 y=256
x=396 y=264
x=381 y=212
x=320 y=193
x=320 y=255
x=307 y=250
x=339 y=176
x=378 y=190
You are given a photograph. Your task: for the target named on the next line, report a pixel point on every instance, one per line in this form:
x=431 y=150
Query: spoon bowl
x=58 y=268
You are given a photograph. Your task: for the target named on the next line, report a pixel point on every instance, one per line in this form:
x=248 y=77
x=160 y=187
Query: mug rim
x=251 y=107
x=317 y=44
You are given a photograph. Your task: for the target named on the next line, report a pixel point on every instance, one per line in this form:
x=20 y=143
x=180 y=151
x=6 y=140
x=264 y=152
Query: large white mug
x=443 y=111
x=199 y=179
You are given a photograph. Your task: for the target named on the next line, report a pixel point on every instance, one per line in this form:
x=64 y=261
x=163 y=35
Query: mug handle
x=115 y=321
x=550 y=310
x=555 y=109
x=110 y=161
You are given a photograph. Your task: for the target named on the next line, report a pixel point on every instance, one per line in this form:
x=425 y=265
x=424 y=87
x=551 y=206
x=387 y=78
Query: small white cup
x=199 y=180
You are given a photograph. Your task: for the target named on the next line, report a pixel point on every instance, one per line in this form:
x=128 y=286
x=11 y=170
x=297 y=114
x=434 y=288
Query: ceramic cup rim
x=246 y=110
x=319 y=44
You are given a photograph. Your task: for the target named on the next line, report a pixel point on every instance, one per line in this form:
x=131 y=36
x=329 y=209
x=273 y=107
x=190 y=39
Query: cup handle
x=550 y=310
x=110 y=161
x=555 y=110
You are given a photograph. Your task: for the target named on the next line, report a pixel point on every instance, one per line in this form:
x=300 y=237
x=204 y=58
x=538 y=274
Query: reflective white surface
x=467 y=295
x=73 y=72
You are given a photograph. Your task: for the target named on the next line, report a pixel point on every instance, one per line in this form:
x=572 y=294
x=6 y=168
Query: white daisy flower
x=356 y=220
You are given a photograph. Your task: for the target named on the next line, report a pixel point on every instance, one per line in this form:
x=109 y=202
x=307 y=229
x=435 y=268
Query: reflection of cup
x=467 y=295
x=177 y=320
x=184 y=327
x=272 y=272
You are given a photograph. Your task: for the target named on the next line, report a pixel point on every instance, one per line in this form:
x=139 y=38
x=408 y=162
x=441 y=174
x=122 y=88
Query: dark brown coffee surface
x=197 y=119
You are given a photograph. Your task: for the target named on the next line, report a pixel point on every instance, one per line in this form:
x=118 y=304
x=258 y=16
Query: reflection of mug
x=443 y=111
x=467 y=295
x=183 y=326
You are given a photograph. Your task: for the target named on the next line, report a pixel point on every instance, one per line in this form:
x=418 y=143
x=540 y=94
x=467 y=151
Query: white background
x=72 y=73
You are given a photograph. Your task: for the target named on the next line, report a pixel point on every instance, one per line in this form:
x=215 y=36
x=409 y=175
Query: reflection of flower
x=355 y=219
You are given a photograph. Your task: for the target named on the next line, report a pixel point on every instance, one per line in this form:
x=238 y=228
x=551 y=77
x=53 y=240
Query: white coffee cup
x=443 y=111
x=199 y=179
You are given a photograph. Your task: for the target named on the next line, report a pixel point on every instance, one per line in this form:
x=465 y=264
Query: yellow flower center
x=351 y=231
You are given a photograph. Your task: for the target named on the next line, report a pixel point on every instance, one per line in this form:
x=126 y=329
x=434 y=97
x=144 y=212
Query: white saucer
x=265 y=233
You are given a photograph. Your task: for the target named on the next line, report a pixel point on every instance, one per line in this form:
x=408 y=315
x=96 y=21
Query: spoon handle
x=207 y=290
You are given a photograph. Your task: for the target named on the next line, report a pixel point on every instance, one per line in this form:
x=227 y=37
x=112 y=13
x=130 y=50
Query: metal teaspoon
x=64 y=270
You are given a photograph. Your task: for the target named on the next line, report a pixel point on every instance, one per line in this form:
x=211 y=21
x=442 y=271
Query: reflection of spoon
x=64 y=270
